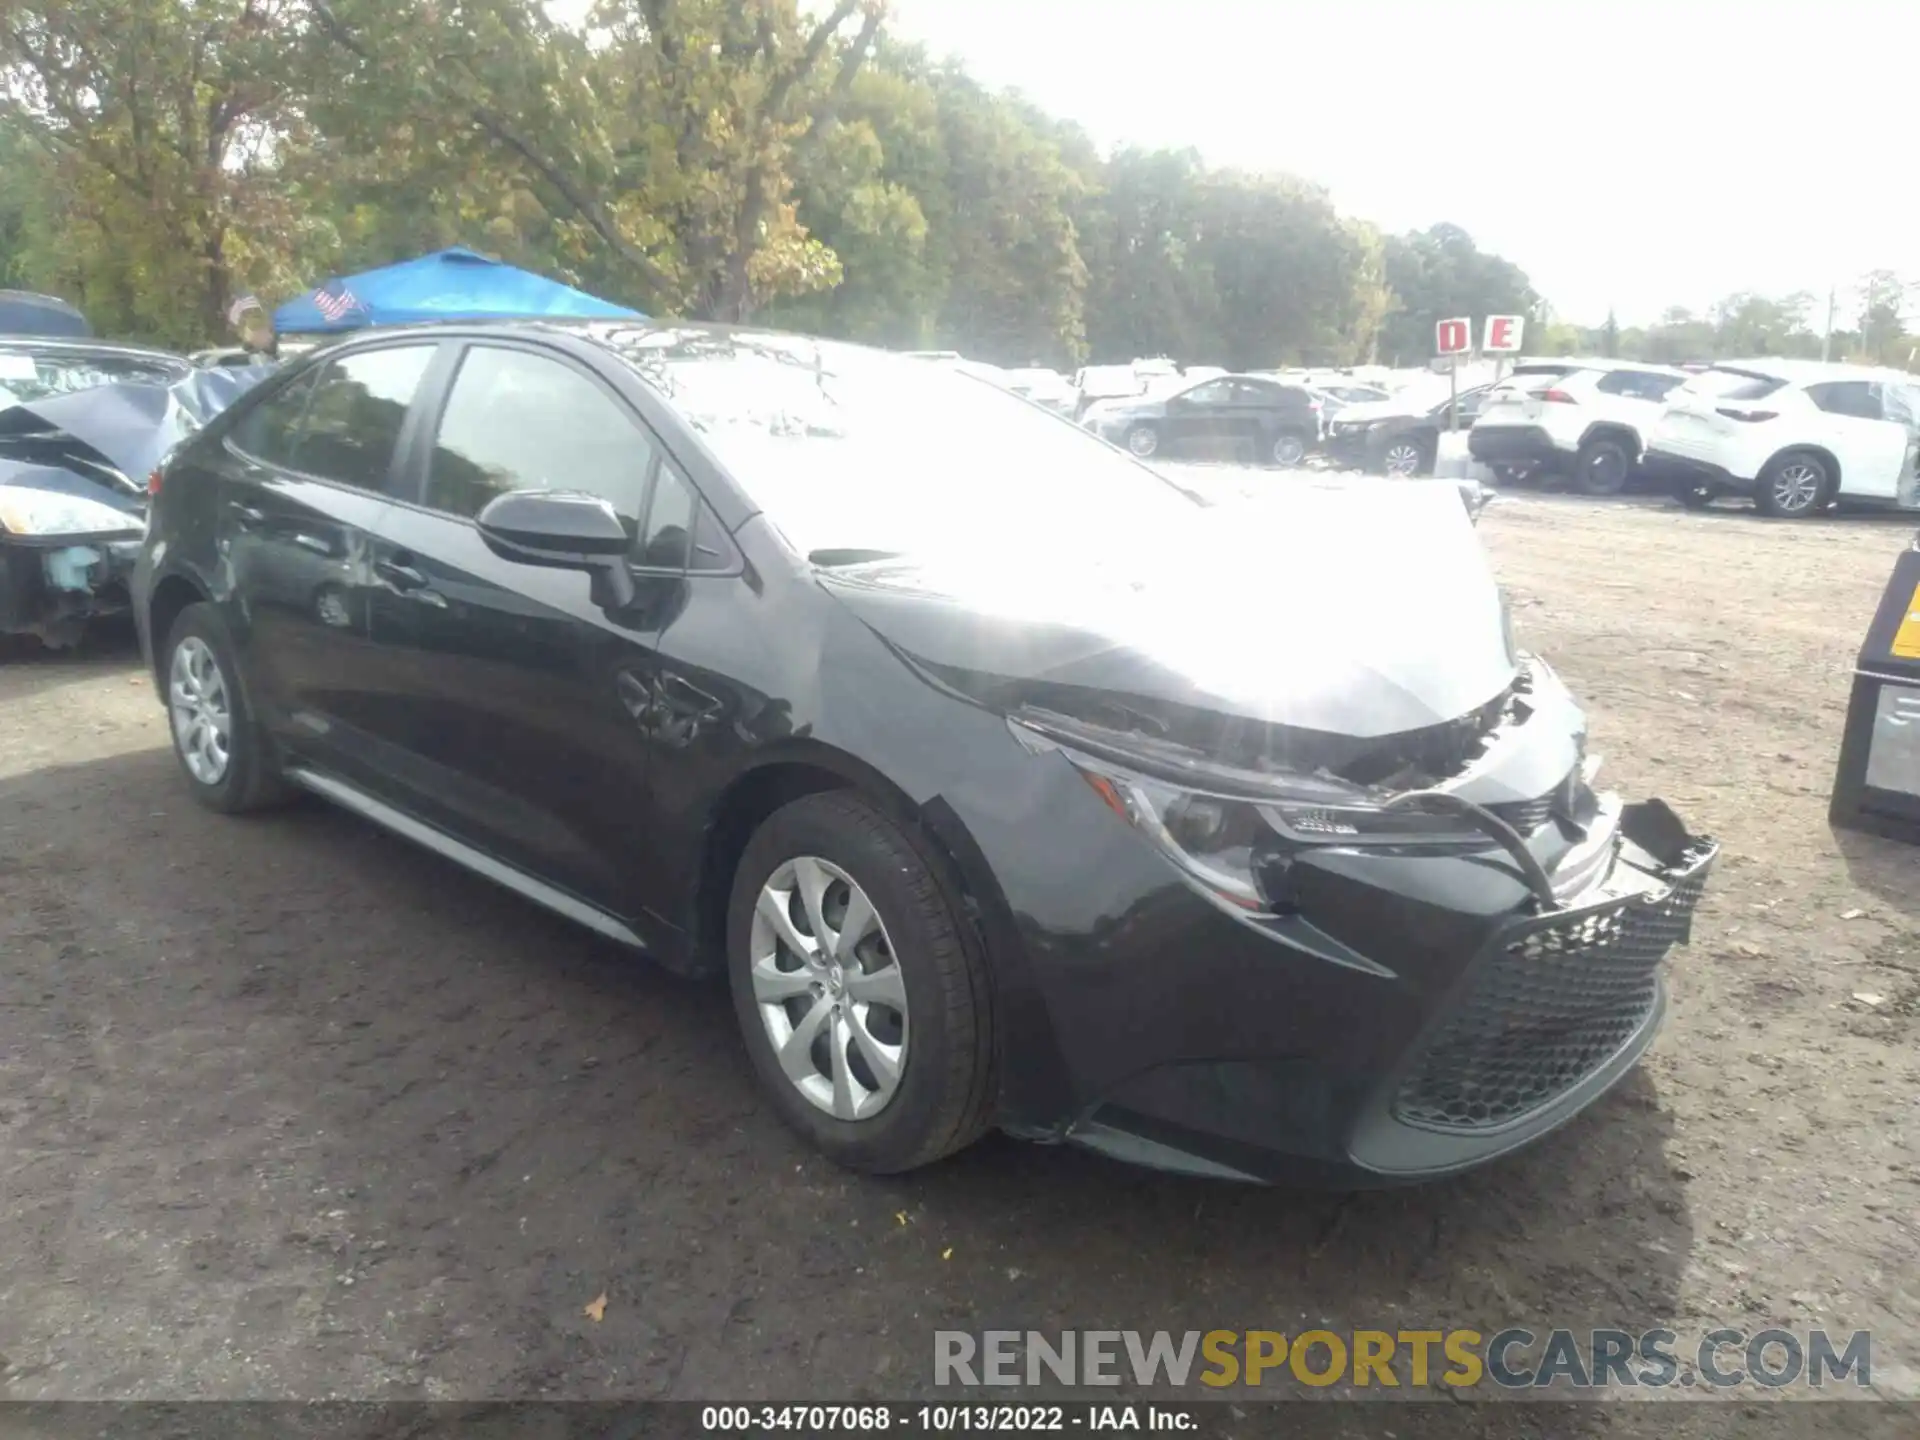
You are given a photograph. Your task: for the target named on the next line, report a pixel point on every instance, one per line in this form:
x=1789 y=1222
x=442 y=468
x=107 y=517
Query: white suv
x=1589 y=419
x=1793 y=434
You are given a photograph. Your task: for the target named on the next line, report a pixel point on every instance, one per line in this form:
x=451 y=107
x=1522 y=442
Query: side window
x=519 y=421
x=679 y=531
x=353 y=421
x=1214 y=392
x=270 y=431
x=1847 y=397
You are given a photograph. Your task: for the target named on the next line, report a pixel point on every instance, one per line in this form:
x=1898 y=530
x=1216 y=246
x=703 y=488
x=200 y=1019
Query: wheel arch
x=1819 y=452
x=171 y=594
x=1615 y=430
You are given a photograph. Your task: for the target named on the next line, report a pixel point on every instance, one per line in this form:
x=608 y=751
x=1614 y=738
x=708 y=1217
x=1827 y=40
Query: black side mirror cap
x=554 y=527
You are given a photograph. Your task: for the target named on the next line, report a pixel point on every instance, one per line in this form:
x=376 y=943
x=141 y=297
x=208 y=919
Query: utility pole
x=1826 y=340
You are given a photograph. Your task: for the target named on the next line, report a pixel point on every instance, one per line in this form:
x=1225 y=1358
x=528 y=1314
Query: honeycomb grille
x=1526 y=816
x=1550 y=1006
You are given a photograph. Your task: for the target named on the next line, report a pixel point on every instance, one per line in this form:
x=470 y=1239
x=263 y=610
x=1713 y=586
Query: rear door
x=305 y=478
x=1201 y=421
x=1871 y=448
x=507 y=710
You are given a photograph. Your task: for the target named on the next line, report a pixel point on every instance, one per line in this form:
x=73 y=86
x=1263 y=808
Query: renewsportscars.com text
x=1514 y=1359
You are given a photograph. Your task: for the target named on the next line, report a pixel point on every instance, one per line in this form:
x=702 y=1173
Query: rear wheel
x=227 y=758
x=1404 y=458
x=1796 y=485
x=1603 y=466
x=864 y=1005
x=1289 y=449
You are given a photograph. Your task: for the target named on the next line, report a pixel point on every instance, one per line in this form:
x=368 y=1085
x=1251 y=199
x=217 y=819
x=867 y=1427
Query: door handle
x=400 y=577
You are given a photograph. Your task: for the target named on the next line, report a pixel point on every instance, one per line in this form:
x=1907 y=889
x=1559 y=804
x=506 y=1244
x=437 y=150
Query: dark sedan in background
x=1008 y=783
x=1399 y=436
x=1228 y=417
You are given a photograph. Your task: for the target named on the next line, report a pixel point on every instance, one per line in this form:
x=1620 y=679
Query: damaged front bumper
x=52 y=586
x=1457 y=1033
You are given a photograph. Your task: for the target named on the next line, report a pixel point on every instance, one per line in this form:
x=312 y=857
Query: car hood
x=1355 y=611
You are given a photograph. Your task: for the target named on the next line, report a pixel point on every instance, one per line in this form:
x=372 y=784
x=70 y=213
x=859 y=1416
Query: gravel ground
x=291 y=1109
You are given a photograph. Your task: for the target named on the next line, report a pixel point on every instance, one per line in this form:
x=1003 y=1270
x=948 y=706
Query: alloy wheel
x=1143 y=441
x=1289 y=450
x=1796 y=487
x=201 y=710
x=829 y=988
x=1402 y=458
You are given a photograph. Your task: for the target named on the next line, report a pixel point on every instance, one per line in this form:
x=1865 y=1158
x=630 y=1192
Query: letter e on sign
x=1503 y=334
x=1453 y=337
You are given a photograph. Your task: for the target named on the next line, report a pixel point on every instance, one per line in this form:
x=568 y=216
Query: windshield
x=851 y=449
x=31 y=373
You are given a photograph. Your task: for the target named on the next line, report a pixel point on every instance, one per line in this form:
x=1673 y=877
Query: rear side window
x=1637 y=384
x=519 y=421
x=1856 y=398
x=352 y=424
x=270 y=431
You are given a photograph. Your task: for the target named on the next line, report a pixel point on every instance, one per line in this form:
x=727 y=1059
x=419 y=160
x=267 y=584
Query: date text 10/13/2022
x=946 y=1419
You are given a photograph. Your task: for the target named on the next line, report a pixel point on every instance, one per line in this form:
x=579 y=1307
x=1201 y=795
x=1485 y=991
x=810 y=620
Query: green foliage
x=779 y=159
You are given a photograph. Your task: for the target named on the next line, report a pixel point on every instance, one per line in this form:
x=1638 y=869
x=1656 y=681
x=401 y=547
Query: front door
x=505 y=707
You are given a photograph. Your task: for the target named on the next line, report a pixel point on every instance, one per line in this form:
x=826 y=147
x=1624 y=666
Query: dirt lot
x=291 y=1109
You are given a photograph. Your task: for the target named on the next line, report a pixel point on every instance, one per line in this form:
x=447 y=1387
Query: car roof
x=1812 y=372
x=77 y=346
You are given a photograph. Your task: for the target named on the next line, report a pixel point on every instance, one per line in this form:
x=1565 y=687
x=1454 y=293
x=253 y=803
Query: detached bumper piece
x=1551 y=1002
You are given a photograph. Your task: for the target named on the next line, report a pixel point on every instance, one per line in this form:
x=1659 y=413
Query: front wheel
x=227 y=758
x=1405 y=458
x=1793 y=487
x=1603 y=467
x=1143 y=441
x=862 y=1000
x=1289 y=449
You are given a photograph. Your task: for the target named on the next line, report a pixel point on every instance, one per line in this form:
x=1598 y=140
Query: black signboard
x=1878 y=784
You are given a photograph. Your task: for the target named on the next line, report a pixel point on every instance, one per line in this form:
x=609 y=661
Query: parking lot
x=292 y=1108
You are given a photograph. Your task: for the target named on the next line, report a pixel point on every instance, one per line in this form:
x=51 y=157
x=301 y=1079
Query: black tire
x=1696 y=495
x=252 y=779
x=1143 y=441
x=1604 y=466
x=1781 y=495
x=1288 y=449
x=944 y=1098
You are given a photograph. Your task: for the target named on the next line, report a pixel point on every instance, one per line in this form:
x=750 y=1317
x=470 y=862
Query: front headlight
x=1221 y=843
x=26 y=511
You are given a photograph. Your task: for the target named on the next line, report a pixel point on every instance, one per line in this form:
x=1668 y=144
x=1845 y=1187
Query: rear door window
x=352 y=423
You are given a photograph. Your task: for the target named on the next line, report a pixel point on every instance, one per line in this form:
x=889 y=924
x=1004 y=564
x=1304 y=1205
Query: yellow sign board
x=1906 y=640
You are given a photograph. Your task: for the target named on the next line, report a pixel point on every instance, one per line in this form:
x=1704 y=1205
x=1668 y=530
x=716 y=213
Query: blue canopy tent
x=455 y=284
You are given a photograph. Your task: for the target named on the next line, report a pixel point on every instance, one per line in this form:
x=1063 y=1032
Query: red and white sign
x=1453 y=337
x=1503 y=334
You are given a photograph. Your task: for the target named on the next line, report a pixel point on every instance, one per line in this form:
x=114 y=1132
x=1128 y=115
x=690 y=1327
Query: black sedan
x=1399 y=436
x=1008 y=784
x=1237 y=417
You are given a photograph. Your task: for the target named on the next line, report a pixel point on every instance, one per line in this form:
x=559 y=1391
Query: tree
x=1610 y=336
x=1439 y=273
x=163 y=122
x=1883 y=330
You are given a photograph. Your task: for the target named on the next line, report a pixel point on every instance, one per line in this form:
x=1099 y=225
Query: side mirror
x=564 y=530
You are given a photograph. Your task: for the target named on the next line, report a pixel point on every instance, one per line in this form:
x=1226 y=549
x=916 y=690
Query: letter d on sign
x=1453 y=337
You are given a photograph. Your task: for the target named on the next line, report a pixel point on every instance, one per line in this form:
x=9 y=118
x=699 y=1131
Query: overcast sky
x=1632 y=153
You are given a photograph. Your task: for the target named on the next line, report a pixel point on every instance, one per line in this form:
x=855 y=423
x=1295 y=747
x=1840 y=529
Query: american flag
x=335 y=303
